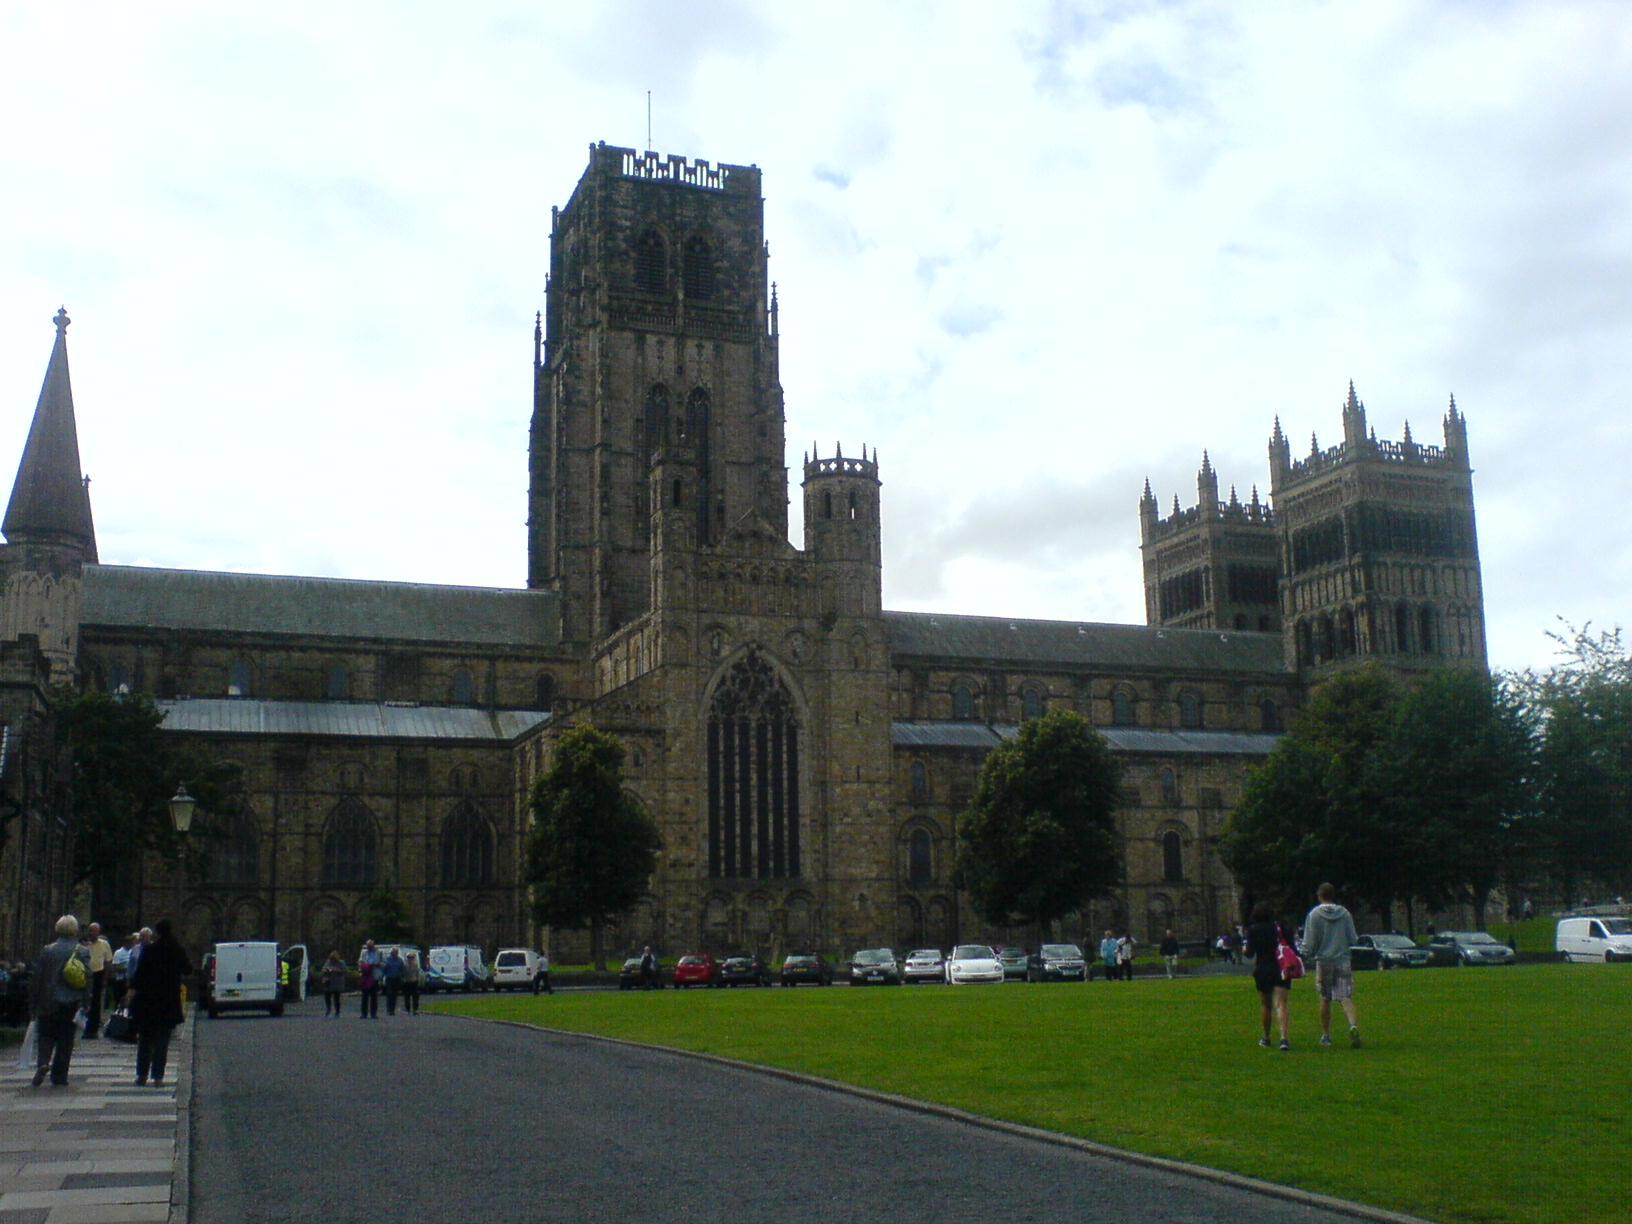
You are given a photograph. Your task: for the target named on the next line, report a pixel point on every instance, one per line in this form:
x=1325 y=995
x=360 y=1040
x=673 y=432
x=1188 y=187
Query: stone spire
x=50 y=502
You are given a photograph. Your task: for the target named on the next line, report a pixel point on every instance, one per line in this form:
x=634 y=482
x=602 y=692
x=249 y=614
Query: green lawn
x=1493 y=1094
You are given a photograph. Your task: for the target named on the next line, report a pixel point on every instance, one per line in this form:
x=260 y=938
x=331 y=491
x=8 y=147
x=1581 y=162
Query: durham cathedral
x=804 y=751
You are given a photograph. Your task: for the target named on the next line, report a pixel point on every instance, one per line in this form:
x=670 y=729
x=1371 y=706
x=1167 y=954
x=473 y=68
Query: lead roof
x=346 y=719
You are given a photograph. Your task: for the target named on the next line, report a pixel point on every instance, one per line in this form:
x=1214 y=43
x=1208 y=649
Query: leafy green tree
x=1039 y=839
x=1319 y=808
x=1464 y=766
x=125 y=769
x=1584 y=829
x=592 y=848
x=385 y=916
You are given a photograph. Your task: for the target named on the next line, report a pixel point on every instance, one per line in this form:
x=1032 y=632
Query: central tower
x=659 y=330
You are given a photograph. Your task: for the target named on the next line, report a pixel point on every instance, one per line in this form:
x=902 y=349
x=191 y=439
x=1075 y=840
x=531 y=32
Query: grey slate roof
x=1123 y=739
x=983 y=640
x=360 y=719
x=122 y=596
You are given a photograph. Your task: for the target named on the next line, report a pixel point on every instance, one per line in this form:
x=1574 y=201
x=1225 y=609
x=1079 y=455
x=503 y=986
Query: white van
x=1594 y=939
x=247 y=975
x=521 y=967
x=456 y=967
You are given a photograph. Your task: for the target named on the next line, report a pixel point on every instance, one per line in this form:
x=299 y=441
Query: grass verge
x=1482 y=1095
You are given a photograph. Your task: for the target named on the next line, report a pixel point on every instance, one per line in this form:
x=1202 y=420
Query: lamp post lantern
x=181 y=809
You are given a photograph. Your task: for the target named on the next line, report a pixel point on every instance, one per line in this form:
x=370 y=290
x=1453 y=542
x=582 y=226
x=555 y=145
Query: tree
x=1584 y=829
x=385 y=916
x=125 y=769
x=1040 y=839
x=592 y=848
x=1319 y=807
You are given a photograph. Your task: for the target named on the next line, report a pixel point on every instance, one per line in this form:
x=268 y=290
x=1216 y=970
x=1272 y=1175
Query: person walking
x=334 y=984
x=155 y=1001
x=1264 y=939
x=1170 y=952
x=392 y=975
x=541 y=979
x=1328 y=933
x=411 y=975
x=369 y=965
x=59 y=991
x=1124 y=956
x=101 y=952
x=119 y=971
x=648 y=968
x=1107 y=954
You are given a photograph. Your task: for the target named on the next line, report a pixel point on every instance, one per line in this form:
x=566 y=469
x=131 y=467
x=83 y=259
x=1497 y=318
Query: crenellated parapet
x=676 y=169
x=1362 y=445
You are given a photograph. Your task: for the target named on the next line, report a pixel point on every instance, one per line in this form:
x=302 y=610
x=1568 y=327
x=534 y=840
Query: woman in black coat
x=155 y=1000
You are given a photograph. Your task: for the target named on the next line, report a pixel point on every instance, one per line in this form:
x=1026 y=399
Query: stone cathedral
x=804 y=750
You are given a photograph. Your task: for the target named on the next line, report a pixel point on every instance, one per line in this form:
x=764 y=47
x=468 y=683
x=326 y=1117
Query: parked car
x=875 y=967
x=924 y=965
x=970 y=963
x=454 y=967
x=1594 y=939
x=812 y=969
x=1013 y=960
x=744 y=971
x=696 y=969
x=523 y=968
x=1390 y=951
x=1057 y=963
x=1469 y=948
x=629 y=974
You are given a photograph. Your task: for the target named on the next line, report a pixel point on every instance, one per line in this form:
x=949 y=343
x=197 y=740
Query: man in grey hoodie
x=1328 y=933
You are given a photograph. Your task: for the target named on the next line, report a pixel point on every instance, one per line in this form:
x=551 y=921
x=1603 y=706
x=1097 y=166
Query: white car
x=973 y=963
x=924 y=965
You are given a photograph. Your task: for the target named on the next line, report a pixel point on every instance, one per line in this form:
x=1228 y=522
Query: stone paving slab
x=100 y=1150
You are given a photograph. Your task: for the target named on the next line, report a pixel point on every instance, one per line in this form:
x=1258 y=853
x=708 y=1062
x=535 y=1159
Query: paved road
x=436 y=1118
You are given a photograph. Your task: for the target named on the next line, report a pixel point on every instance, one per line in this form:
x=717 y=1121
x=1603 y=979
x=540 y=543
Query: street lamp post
x=181 y=809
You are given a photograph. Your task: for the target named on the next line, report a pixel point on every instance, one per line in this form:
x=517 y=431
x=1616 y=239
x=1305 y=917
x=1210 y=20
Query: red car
x=697 y=969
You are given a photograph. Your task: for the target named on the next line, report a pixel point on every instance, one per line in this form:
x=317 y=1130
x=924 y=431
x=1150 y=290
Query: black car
x=875 y=967
x=1391 y=951
x=1468 y=948
x=744 y=971
x=811 y=969
x=1056 y=963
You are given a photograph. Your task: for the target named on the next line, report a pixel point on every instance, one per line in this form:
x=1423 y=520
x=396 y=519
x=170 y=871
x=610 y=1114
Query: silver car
x=924 y=965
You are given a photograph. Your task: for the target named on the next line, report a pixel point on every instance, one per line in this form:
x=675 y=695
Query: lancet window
x=753 y=775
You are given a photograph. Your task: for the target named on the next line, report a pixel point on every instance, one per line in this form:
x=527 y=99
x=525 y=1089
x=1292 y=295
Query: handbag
x=119 y=1027
x=1288 y=961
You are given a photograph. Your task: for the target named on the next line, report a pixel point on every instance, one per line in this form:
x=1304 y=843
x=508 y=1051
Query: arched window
x=1189 y=711
x=119 y=678
x=651 y=258
x=699 y=412
x=1170 y=788
x=350 y=845
x=699 y=270
x=963 y=702
x=337 y=682
x=920 y=860
x=657 y=420
x=1031 y=704
x=232 y=844
x=1269 y=715
x=545 y=691
x=1122 y=708
x=464 y=687
x=1425 y=630
x=238 y=678
x=920 y=782
x=1172 y=858
x=467 y=848
x=753 y=775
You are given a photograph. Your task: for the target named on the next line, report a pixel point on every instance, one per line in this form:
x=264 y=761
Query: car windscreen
x=691 y=960
x=1061 y=951
x=972 y=952
x=1617 y=926
x=1392 y=941
x=925 y=954
x=874 y=956
x=509 y=959
x=1480 y=937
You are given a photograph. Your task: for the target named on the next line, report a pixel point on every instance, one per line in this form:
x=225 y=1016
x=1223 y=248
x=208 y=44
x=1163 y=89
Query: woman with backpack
x=155 y=1000
x=1265 y=938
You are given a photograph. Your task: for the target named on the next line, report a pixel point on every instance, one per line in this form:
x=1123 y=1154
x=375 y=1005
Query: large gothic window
x=651 y=274
x=467 y=848
x=753 y=775
x=233 y=845
x=350 y=847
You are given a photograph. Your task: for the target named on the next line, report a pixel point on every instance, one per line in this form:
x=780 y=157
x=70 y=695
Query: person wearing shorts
x=1328 y=933
x=1264 y=937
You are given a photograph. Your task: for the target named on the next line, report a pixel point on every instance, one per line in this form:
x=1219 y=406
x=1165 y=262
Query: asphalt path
x=438 y=1118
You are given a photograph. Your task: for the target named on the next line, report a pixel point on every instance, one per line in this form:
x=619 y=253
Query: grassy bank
x=1481 y=1095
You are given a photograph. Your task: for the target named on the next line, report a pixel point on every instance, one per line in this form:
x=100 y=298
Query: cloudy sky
x=1034 y=253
